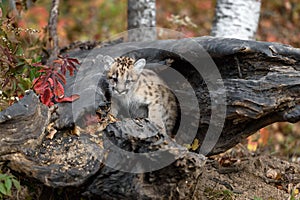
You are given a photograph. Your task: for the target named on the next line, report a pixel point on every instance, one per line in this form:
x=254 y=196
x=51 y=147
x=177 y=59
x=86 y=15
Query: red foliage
x=67 y=63
x=50 y=84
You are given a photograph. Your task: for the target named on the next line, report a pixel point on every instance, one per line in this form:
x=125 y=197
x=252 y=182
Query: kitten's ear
x=108 y=61
x=139 y=65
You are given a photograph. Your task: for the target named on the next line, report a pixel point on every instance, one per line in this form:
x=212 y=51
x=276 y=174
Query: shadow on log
x=258 y=84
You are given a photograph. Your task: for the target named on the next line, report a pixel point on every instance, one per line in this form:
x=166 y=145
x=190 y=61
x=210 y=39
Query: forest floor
x=266 y=166
x=269 y=171
x=241 y=175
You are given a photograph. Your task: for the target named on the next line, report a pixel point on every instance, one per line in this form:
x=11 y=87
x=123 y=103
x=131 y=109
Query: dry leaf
x=195 y=144
x=273 y=174
x=76 y=130
x=51 y=131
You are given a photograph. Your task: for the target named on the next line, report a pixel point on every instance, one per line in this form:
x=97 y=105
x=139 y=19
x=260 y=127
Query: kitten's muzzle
x=120 y=92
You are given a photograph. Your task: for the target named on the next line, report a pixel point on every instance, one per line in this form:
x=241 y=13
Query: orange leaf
x=264 y=136
x=68 y=99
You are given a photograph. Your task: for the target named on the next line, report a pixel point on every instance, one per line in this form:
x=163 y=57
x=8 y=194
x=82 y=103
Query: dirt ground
x=242 y=177
x=234 y=175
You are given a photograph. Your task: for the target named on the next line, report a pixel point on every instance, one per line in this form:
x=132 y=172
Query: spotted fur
x=131 y=84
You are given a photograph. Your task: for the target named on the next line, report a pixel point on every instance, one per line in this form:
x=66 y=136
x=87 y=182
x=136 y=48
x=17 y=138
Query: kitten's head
x=122 y=73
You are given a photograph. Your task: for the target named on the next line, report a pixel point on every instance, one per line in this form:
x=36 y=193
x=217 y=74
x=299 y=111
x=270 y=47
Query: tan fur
x=130 y=86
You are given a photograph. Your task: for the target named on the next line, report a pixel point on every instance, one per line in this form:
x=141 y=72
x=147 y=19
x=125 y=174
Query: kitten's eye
x=128 y=81
x=113 y=78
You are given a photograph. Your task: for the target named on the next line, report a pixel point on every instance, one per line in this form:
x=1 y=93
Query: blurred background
x=99 y=19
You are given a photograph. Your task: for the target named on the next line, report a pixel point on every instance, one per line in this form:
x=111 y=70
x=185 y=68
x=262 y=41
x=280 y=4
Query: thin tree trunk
x=52 y=28
x=12 y=4
x=236 y=19
x=141 y=20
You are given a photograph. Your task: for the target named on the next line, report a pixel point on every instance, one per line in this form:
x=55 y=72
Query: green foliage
x=213 y=194
x=18 y=51
x=7 y=182
x=20 y=54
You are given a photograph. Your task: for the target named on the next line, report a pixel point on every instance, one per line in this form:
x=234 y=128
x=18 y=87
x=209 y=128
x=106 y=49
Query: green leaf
x=24 y=84
x=14 y=85
x=21 y=86
x=37 y=59
x=19 y=51
x=2 y=189
x=3 y=176
x=16 y=184
x=33 y=73
x=8 y=184
x=20 y=64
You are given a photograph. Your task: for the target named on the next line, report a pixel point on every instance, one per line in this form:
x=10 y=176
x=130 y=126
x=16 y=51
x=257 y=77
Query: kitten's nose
x=121 y=91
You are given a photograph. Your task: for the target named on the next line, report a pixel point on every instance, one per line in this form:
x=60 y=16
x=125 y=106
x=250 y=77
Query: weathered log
x=90 y=165
x=259 y=86
x=260 y=79
x=22 y=125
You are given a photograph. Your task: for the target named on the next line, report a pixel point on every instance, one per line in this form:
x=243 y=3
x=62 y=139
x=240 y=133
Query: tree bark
x=262 y=86
x=236 y=19
x=52 y=29
x=141 y=20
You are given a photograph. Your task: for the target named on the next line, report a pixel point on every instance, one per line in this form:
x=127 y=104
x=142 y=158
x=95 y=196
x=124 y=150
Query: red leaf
x=35 y=80
x=51 y=82
x=72 y=63
x=71 y=70
x=46 y=97
x=59 y=90
x=58 y=61
x=61 y=77
x=67 y=64
x=40 y=85
x=39 y=80
x=44 y=68
x=38 y=64
x=68 y=99
x=63 y=68
x=73 y=60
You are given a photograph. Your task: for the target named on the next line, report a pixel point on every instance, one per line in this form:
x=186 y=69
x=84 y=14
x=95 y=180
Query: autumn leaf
x=264 y=136
x=68 y=99
x=46 y=97
x=195 y=144
x=67 y=63
x=40 y=85
x=58 y=90
x=50 y=85
x=252 y=144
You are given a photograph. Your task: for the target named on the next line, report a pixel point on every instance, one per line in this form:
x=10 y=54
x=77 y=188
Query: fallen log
x=236 y=86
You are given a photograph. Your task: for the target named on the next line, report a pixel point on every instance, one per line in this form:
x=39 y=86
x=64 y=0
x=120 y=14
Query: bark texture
x=141 y=20
x=261 y=86
x=236 y=19
x=52 y=29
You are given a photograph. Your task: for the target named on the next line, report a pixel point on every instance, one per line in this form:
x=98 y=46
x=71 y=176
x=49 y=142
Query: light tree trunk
x=141 y=20
x=236 y=19
x=52 y=29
